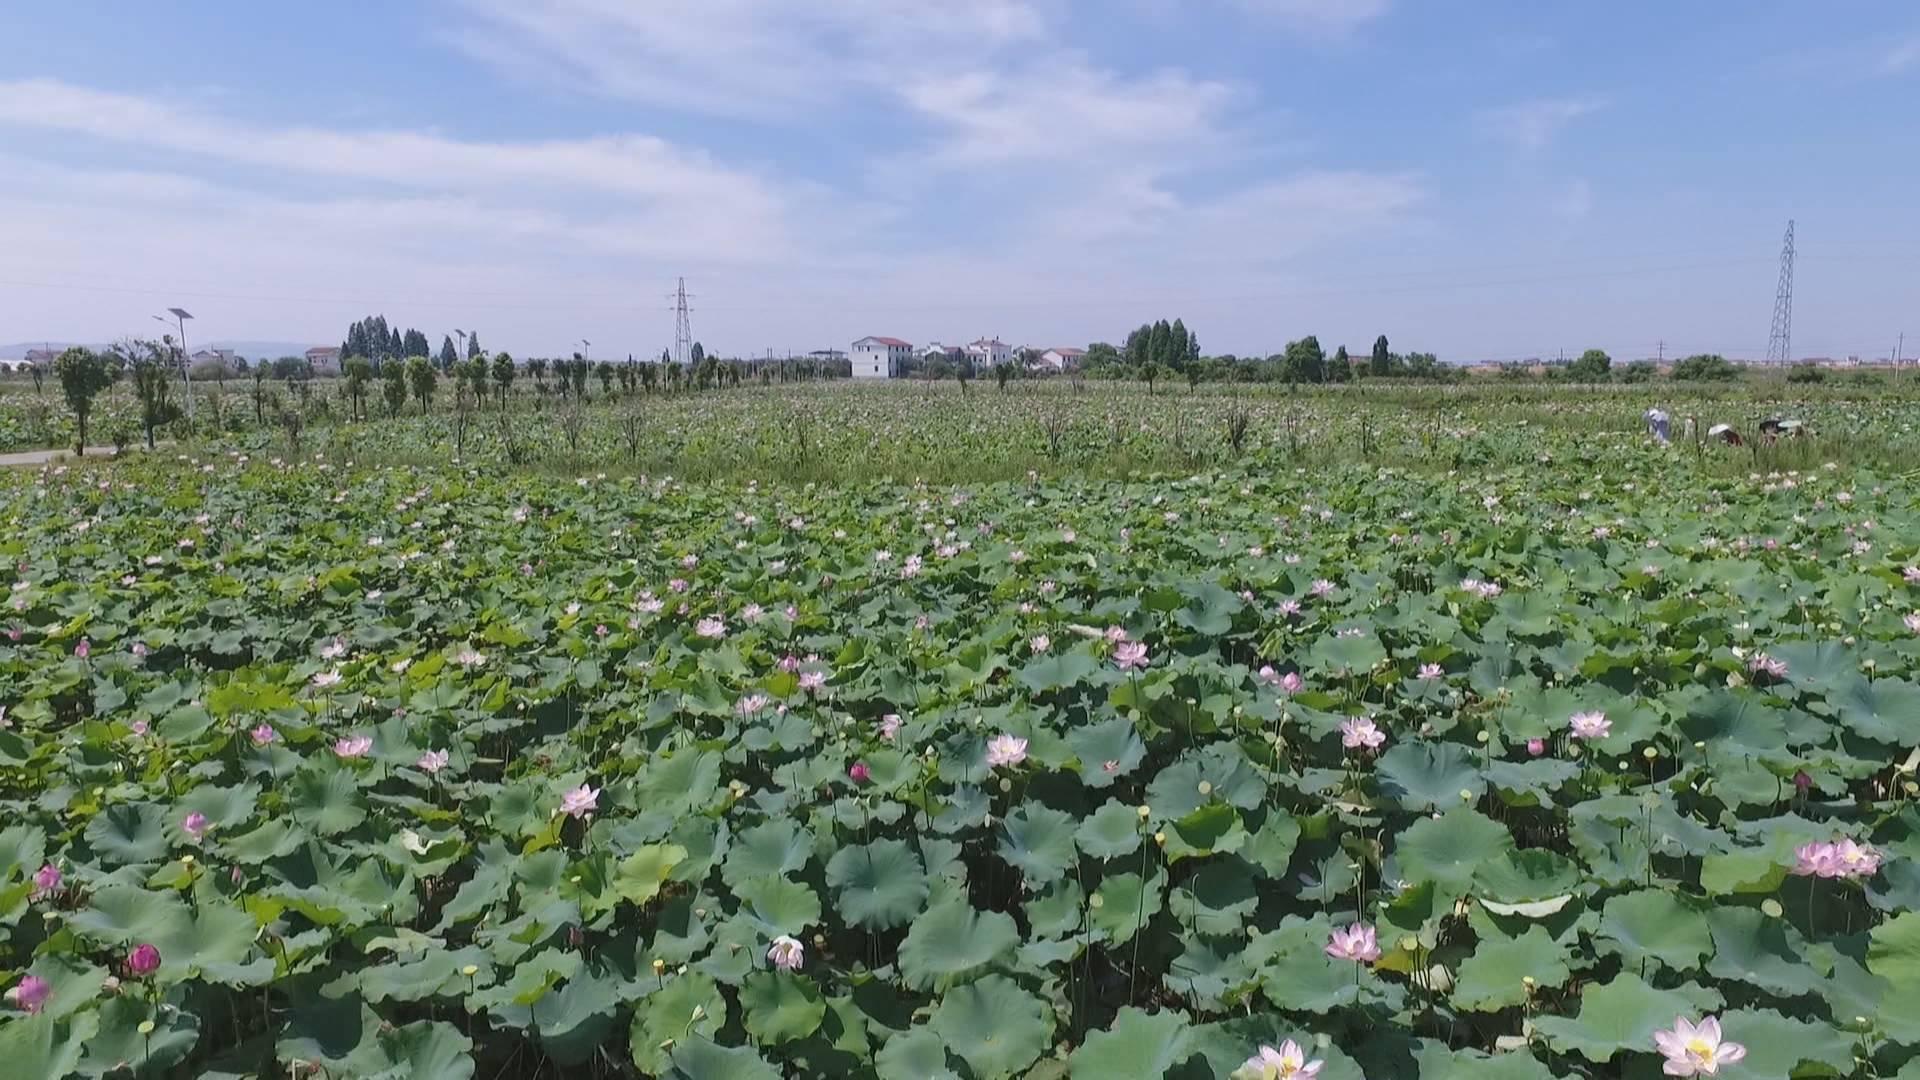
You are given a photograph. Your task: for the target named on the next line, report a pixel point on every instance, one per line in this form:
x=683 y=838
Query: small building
x=880 y=357
x=222 y=357
x=1062 y=358
x=40 y=358
x=987 y=353
x=324 y=359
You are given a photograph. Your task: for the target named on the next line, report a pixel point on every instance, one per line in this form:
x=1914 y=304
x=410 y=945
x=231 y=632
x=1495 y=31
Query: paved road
x=41 y=457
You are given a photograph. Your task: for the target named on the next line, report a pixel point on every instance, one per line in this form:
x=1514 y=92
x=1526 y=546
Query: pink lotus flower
x=1006 y=750
x=1361 y=733
x=711 y=627
x=751 y=705
x=1130 y=655
x=432 y=762
x=1913 y=621
x=1843 y=858
x=889 y=726
x=1536 y=747
x=138 y=727
x=580 y=801
x=263 y=735
x=859 y=773
x=1291 y=683
x=1289 y=607
x=1040 y=643
x=144 y=960
x=326 y=678
x=1287 y=1063
x=1432 y=671
x=46 y=881
x=469 y=657
x=1267 y=676
x=1590 y=725
x=1762 y=664
x=813 y=681
x=1696 y=1050
x=352 y=746
x=1116 y=634
x=1359 y=943
x=84 y=649
x=30 y=994
x=787 y=953
x=195 y=825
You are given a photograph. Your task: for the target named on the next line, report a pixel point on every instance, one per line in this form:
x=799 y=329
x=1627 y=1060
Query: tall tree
x=503 y=375
x=473 y=344
x=421 y=376
x=1135 y=350
x=448 y=357
x=359 y=372
x=1177 y=346
x=1381 y=363
x=1193 y=348
x=83 y=373
x=697 y=354
x=1160 y=344
x=1340 y=368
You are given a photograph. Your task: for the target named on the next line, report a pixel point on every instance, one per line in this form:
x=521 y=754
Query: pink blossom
x=813 y=681
x=1130 y=655
x=1762 y=664
x=1911 y=575
x=751 y=705
x=580 y=801
x=1006 y=750
x=46 y=881
x=1432 y=671
x=1267 y=675
x=263 y=735
x=1041 y=643
x=84 y=649
x=352 y=746
x=1116 y=634
x=1913 y=621
x=138 y=727
x=1322 y=587
x=144 y=960
x=432 y=762
x=1359 y=943
x=195 y=825
x=1291 y=683
x=1844 y=858
x=1696 y=1050
x=787 y=953
x=30 y=994
x=1590 y=725
x=889 y=726
x=1536 y=747
x=1289 y=607
x=1361 y=732
x=789 y=662
x=859 y=773
x=711 y=627
x=1287 y=1063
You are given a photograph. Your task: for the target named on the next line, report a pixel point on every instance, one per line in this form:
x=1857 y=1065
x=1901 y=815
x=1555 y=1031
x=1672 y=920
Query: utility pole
x=1780 y=340
x=180 y=318
x=1663 y=350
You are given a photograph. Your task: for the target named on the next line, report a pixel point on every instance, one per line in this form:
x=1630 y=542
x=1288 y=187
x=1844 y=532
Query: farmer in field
x=1659 y=425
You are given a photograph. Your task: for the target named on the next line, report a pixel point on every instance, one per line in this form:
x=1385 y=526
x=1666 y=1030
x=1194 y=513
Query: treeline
x=1170 y=350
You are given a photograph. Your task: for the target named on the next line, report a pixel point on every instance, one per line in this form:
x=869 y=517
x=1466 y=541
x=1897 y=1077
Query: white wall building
x=880 y=357
x=988 y=352
x=1062 y=358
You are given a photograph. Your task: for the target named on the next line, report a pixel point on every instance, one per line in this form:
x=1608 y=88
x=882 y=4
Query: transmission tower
x=1780 y=344
x=682 y=327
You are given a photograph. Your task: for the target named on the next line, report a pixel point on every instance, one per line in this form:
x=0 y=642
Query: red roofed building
x=880 y=358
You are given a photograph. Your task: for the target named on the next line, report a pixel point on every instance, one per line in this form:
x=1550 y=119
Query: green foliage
x=1594 y=365
x=1705 y=367
x=83 y=374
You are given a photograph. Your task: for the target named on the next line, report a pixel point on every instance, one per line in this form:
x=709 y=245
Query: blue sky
x=1486 y=180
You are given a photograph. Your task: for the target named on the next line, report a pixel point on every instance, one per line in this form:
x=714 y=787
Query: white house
x=988 y=352
x=1062 y=358
x=880 y=357
x=324 y=359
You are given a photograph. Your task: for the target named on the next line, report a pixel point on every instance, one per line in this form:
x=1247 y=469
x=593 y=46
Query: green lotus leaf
x=1450 y=849
x=780 y=1007
x=914 y=1055
x=1123 y=904
x=689 y=1006
x=994 y=1026
x=1430 y=776
x=576 y=1018
x=45 y=1044
x=778 y=846
x=784 y=906
x=1622 y=1014
x=701 y=1059
x=130 y=833
x=1108 y=751
x=1037 y=840
x=1495 y=976
x=1526 y=876
x=1656 y=925
x=1111 y=832
x=878 y=885
x=1136 y=1044
x=953 y=940
x=1212 y=829
x=1783 y=1046
x=641 y=874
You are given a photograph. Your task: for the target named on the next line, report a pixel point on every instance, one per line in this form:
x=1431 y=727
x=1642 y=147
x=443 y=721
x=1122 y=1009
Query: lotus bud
x=1145 y=813
x=1206 y=787
x=470 y=970
x=1160 y=838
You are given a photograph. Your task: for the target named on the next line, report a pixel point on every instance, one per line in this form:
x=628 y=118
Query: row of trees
x=1595 y=366
x=84 y=375
x=1165 y=350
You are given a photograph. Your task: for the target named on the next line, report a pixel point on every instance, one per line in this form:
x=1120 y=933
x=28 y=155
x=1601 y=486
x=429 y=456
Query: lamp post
x=180 y=319
x=460 y=350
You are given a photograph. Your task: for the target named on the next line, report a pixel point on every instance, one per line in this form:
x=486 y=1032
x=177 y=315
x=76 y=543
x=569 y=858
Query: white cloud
x=1334 y=15
x=740 y=57
x=1063 y=110
x=1901 y=56
x=1532 y=125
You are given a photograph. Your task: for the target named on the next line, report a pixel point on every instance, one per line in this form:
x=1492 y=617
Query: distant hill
x=252 y=350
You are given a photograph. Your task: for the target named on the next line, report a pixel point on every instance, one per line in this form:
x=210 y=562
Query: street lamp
x=585 y=347
x=180 y=319
x=459 y=350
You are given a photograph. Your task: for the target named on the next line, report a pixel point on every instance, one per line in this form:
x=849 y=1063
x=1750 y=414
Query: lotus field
x=1597 y=765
